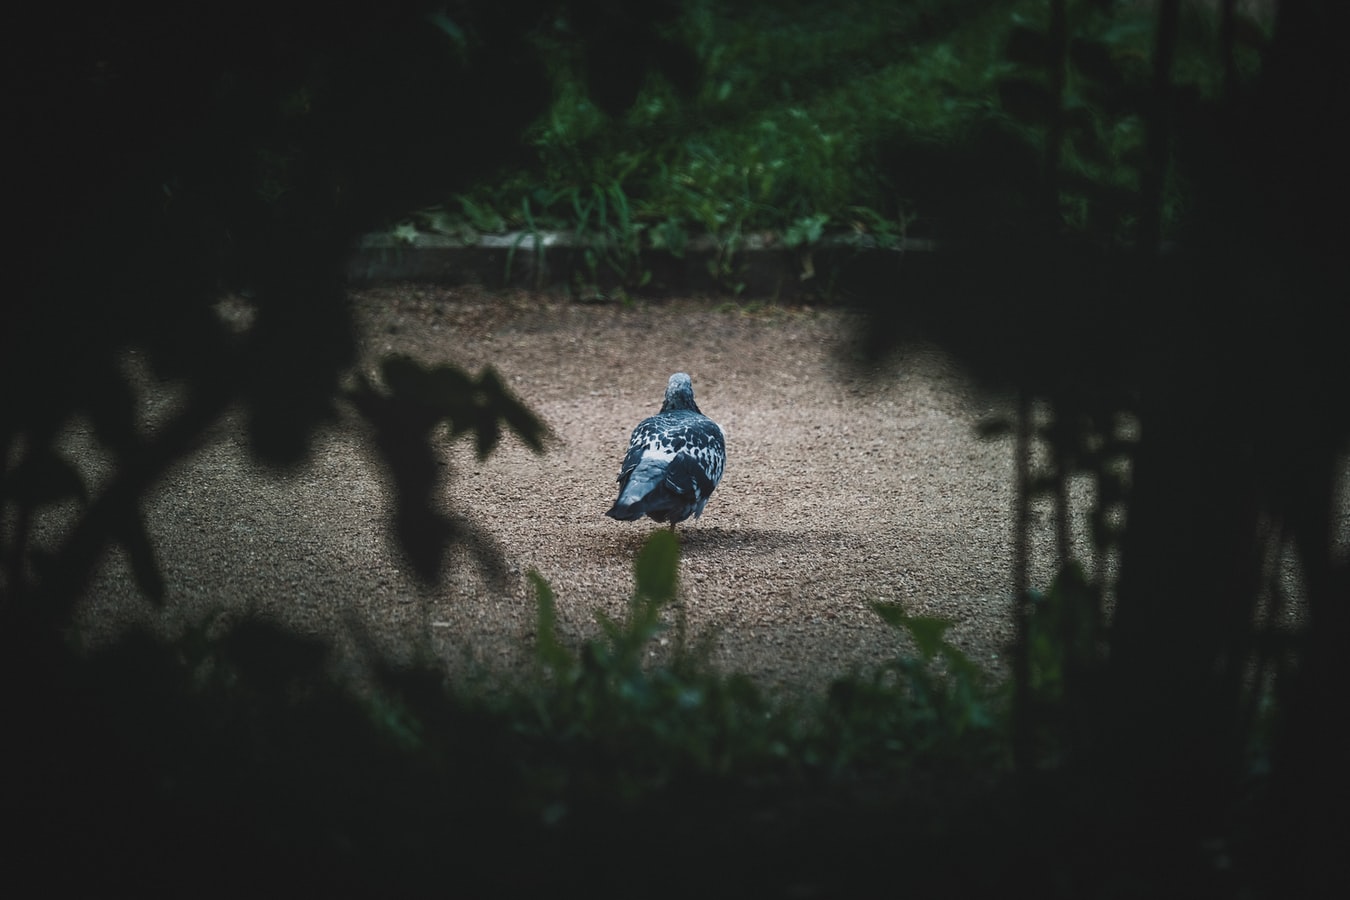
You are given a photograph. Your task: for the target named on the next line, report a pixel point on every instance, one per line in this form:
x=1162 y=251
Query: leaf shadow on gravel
x=716 y=539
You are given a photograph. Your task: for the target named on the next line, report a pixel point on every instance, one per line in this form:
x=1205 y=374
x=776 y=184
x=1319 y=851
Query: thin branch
x=1153 y=184
x=1022 y=730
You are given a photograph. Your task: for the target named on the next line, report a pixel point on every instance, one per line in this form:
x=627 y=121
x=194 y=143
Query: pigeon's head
x=679 y=394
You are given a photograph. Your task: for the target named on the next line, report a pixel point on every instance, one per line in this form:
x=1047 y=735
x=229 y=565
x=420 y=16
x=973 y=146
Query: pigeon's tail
x=623 y=513
x=646 y=478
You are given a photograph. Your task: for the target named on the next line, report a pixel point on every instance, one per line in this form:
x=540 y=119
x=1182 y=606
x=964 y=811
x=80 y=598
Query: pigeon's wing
x=689 y=478
x=696 y=469
x=648 y=434
x=706 y=444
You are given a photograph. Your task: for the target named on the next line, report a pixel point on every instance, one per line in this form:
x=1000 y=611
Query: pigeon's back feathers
x=674 y=461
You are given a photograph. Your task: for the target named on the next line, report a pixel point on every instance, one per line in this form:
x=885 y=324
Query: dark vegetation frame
x=1197 y=381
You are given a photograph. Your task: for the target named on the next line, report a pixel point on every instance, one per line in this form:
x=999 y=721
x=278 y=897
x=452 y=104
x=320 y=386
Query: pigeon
x=674 y=461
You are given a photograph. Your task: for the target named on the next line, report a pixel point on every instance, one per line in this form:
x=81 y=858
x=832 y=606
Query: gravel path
x=845 y=485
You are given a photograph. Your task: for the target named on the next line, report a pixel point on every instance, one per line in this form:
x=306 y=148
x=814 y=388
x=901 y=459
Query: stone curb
x=758 y=266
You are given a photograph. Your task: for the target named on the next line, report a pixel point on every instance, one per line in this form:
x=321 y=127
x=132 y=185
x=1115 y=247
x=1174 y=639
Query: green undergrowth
x=875 y=119
x=251 y=726
x=243 y=745
x=648 y=724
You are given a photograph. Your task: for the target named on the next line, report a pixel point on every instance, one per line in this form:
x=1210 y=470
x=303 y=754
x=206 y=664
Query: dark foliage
x=1224 y=350
x=167 y=159
x=160 y=159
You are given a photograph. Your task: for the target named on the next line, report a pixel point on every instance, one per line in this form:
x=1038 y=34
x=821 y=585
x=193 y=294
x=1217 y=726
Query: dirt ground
x=847 y=483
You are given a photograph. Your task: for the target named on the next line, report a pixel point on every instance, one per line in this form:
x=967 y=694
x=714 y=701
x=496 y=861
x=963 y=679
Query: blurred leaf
x=400 y=374
x=993 y=428
x=1129 y=31
x=1027 y=101
x=447 y=390
x=1027 y=46
x=482 y=217
x=141 y=553
x=1093 y=59
x=394 y=719
x=447 y=394
x=270 y=657
x=424 y=533
x=45 y=477
x=112 y=409
x=486 y=437
x=1042 y=486
x=927 y=631
x=526 y=425
x=436 y=220
x=668 y=235
x=1105 y=534
x=657 y=567
x=1247 y=32
x=806 y=230
x=1063 y=631
x=548 y=650
x=449 y=27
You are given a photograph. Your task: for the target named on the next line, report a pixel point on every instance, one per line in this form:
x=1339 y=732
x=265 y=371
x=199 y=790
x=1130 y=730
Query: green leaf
x=670 y=236
x=657 y=567
x=450 y=27
x=482 y=217
x=806 y=230
x=548 y=651
x=437 y=221
x=927 y=631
